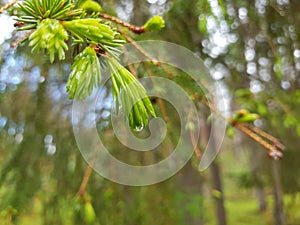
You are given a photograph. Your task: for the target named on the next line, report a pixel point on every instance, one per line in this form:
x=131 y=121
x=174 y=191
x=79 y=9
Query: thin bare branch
x=134 y=29
x=7 y=6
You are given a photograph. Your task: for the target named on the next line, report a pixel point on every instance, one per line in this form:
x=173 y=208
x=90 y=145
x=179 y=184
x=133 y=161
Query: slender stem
x=140 y=49
x=134 y=29
x=159 y=100
x=256 y=134
x=267 y=136
x=258 y=139
x=7 y=6
x=17 y=42
x=85 y=181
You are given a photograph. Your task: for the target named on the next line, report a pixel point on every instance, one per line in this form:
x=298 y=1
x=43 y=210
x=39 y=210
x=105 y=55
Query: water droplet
x=139 y=129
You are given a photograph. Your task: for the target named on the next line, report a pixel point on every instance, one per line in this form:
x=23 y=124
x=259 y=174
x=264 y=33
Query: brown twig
x=85 y=181
x=193 y=139
x=7 y=6
x=159 y=100
x=140 y=49
x=17 y=42
x=256 y=134
x=281 y=12
x=273 y=152
x=195 y=144
x=134 y=29
x=267 y=136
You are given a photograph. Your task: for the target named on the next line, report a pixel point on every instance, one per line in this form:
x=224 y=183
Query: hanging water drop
x=139 y=128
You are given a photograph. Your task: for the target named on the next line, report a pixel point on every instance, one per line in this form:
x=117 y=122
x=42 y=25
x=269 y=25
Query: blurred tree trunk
x=279 y=218
x=261 y=197
x=216 y=181
x=139 y=14
x=189 y=177
x=255 y=167
x=219 y=200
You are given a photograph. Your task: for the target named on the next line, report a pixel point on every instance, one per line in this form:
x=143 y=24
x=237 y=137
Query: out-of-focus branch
x=85 y=181
x=256 y=134
x=7 y=6
x=134 y=29
x=19 y=41
x=140 y=49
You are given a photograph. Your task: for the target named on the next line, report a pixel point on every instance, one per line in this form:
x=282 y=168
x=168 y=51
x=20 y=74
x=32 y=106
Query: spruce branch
x=37 y=10
x=85 y=74
x=49 y=35
x=55 y=21
x=132 y=95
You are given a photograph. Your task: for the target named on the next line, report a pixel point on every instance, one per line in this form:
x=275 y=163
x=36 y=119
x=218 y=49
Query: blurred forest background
x=252 y=48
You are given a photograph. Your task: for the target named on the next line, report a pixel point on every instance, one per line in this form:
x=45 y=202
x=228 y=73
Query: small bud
x=89 y=211
x=242 y=113
x=244 y=116
x=275 y=155
x=230 y=132
x=156 y=23
x=91 y=6
x=216 y=194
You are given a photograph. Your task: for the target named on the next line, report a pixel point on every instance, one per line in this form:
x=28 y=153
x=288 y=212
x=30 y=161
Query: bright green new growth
x=91 y=6
x=155 y=23
x=134 y=100
x=85 y=74
x=244 y=116
x=49 y=29
x=55 y=21
x=37 y=10
x=92 y=31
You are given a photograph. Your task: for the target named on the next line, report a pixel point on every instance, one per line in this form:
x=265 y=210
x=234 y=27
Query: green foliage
x=278 y=67
x=56 y=21
x=216 y=194
x=262 y=32
x=155 y=23
x=85 y=74
x=89 y=213
x=292 y=205
x=244 y=116
x=49 y=29
x=251 y=102
x=202 y=24
x=92 y=31
x=36 y=10
x=230 y=131
x=134 y=100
